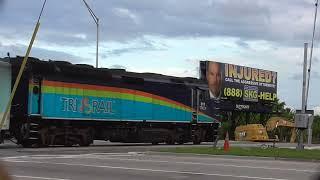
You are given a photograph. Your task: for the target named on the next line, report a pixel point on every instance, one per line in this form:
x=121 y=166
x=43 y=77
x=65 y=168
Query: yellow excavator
x=258 y=133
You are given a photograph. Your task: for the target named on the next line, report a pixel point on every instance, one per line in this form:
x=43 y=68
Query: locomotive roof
x=84 y=69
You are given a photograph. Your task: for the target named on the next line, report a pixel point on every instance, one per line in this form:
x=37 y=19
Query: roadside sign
x=306 y=112
x=301 y=120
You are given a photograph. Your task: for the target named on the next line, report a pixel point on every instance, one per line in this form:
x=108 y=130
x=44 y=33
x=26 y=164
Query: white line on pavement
x=14 y=157
x=65 y=156
x=209 y=164
x=110 y=156
x=34 y=177
x=236 y=158
x=150 y=170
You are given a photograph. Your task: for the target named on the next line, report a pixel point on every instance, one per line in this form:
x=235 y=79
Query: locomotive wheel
x=84 y=144
x=87 y=138
x=196 y=139
x=85 y=141
x=155 y=143
x=180 y=140
x=170 y=140
x=30 y=136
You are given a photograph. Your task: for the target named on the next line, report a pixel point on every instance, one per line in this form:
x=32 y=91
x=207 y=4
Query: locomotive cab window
x=35 y=90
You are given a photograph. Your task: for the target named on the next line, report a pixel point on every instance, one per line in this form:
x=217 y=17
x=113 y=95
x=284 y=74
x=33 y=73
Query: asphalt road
x=132 y=162
x=140 y=166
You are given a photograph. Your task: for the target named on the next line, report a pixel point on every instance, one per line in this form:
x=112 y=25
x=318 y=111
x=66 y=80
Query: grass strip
x=249 y=151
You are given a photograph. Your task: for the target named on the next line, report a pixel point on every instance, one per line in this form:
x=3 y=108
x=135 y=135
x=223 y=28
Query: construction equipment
x=257 y=132
x=275 y=122
x=251 y=132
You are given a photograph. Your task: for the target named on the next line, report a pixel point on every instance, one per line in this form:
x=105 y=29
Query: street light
x=96 y=20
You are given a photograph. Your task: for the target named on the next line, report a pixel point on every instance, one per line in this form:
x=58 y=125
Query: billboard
x=239 y=83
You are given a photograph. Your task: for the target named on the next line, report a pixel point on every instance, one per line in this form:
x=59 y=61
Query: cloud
x=242 y=44
x=20 y=50
x=126 y=13
x=126 y=20
x=315 y=60
x=119 y=52
x=117 y=66
x=315 y=75
x=171 y=71
x=140 y=45
x=2 y=3
x=298 y=76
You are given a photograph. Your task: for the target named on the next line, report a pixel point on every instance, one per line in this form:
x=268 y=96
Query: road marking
x=14 y=157
x=108 y=156
x=208 y=164
x=150 y=170
x=218 y=157
x=69 y=156
x=34 y=177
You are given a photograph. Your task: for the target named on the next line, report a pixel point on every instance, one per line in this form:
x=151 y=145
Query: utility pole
x=96 y=20
x=301 y=119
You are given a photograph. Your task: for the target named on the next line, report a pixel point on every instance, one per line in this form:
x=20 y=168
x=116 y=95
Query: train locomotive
x=60 y=103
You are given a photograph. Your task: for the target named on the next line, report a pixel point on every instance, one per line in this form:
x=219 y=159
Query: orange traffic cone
x=226 y=143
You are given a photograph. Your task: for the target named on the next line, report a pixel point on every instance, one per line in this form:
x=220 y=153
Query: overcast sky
x=171 y=36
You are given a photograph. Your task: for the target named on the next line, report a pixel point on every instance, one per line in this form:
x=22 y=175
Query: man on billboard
x=214 y=79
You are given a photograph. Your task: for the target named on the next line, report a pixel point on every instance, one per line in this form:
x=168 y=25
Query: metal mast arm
x=96 y=20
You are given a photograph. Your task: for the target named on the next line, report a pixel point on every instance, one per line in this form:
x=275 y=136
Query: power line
x=44 y=3
x=311 y=50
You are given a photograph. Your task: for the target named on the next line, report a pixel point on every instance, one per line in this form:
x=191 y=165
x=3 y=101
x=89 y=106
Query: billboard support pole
x=304 y=87
x=310 y=121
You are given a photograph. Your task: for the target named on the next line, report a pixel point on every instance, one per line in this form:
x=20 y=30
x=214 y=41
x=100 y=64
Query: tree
x=316 y=129
x=280 y=110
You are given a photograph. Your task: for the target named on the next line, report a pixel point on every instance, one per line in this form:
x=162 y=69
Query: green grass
x=252 y=151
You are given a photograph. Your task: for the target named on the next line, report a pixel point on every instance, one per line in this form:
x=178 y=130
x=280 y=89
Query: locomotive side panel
x=74 y=101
